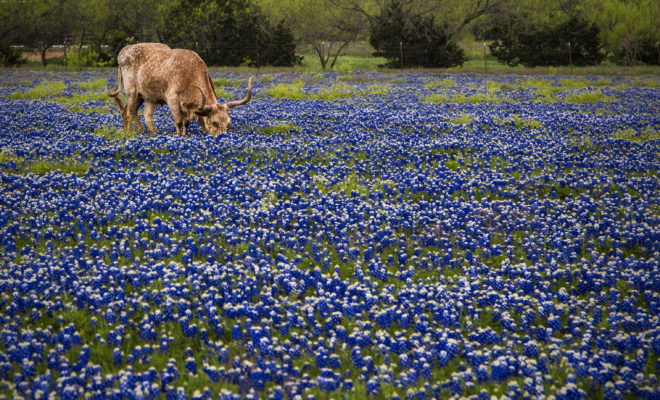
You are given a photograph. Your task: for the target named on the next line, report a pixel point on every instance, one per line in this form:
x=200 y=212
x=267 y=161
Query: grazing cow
x=156 y=75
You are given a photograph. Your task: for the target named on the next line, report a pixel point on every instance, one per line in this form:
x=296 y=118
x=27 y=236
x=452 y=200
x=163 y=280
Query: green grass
x=88 y=110
x=334 y=92
x=537 y=83
x=7 y=157
x=82 y=97
x=649 y=133
x=477 y=98
x=521 y=122
x=440 y=83
x=281 y=128
x=66 y=167
x=39 y=92
x=463 y=119
x=292 y=90
x=224 y=82
x=42 y=167
x=345 y=62
x=575 y=83
x=93 y=85
x=111 y=133
x=590 y=96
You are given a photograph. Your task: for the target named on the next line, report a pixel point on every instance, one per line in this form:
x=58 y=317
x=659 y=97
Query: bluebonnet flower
x=495 y=239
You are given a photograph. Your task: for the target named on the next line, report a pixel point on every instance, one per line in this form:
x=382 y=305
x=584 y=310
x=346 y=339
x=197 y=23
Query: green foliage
x=229 y=33
x=413 y=41
x=9 y=56
x=280 y=48
x=629 y=30
x=87 y=57
x=574 y=41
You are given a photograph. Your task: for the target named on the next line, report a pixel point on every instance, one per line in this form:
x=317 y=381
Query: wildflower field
x=411 y=236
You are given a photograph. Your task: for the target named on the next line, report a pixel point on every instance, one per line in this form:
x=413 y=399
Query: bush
x=230 y=33
x=645 y=50
x=281 y=47
x=412 y=41
x=10 y=55
x=515 y=42
x=86 y=57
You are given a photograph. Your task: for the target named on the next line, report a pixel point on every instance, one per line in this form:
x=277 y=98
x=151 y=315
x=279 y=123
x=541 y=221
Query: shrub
x=412 y=41
x=515 y=42
x=10 y=55
x=281 y=47
x=230 y=33
x=87 y=57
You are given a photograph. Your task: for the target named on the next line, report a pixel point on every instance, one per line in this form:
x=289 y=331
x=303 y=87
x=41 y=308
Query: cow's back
x=184 y=68
x=137 y=54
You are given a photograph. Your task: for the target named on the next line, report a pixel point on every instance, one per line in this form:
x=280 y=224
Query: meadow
x=356 y=235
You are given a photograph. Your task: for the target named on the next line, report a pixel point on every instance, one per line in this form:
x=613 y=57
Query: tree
x=36 y=24
x=322 y=24
x=226 y=32
x=280 y=50
x=409 y=40
x=9 y=55
x=572 y=41
x=629 y=29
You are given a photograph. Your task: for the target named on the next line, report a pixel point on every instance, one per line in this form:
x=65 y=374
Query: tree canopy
x=268 y=32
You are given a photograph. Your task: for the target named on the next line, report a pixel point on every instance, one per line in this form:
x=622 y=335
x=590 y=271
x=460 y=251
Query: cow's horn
x=245 y=99
x=201 y=108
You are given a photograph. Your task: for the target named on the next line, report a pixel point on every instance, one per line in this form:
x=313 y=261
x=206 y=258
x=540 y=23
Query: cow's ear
x=204 y=111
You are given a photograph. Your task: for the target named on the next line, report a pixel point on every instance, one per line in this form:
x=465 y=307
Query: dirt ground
x=36 y=56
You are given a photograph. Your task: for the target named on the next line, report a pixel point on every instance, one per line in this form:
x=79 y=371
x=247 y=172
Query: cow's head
x=214 y=118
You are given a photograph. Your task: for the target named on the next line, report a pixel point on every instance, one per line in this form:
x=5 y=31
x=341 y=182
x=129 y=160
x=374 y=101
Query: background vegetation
x=415 y=33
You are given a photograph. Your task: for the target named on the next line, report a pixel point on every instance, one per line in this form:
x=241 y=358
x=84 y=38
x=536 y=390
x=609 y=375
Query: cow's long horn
x=201 y=108
x=245 y=99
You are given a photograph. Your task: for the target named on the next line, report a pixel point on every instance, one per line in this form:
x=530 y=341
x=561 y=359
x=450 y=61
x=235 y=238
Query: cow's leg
x=139 y=102
x=149 y=116
x=132 y=104
x=177 y=114
x=186 y=126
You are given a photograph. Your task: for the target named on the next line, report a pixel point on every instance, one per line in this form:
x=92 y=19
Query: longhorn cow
x=154 y=74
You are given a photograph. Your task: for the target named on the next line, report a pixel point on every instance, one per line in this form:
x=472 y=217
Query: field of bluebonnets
x=408 y=235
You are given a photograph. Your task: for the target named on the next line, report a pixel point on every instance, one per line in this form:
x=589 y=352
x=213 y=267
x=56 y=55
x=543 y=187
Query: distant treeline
x=408 y=33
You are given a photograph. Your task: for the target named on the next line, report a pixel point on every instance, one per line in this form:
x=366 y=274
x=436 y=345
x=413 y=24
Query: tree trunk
x=320 y=50
x=82 y=39
x=334 y=60
x=43 y=54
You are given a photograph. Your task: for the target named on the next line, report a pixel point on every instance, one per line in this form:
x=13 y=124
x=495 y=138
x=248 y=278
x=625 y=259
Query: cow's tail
x=116 y=92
